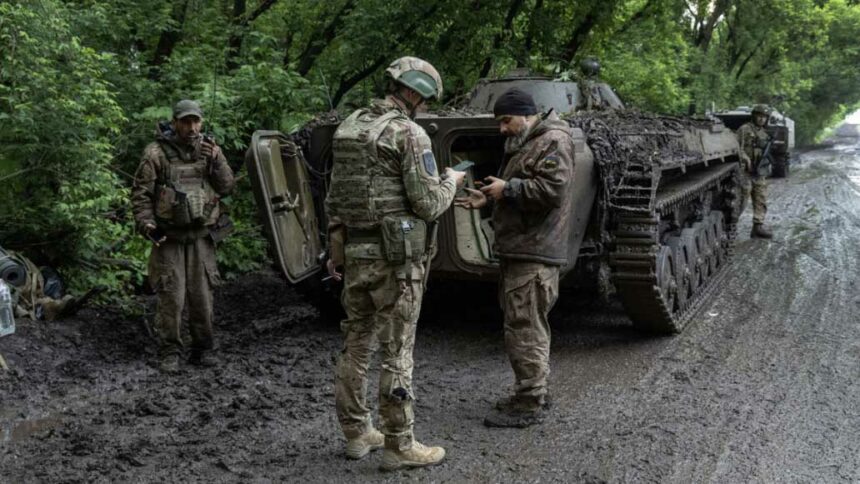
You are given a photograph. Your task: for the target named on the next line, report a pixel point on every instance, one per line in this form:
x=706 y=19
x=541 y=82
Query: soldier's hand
x=458 y=176
x=332 y=270
x=493 y=187
x=209 y=149
x=474 y=199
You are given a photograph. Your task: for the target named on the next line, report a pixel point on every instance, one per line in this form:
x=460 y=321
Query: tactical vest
x=184 y=196
x=360 y=194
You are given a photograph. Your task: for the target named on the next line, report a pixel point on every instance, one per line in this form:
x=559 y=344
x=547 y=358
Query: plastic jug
x=7 y=316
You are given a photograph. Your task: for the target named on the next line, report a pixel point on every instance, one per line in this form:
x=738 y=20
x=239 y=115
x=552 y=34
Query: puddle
x=23 y=429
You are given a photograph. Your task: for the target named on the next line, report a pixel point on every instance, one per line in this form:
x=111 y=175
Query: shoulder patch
x=551 y=161
x=429 y=162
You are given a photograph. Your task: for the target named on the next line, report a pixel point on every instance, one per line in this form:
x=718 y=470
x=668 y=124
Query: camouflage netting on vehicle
x=631 y=149
x=304 y=140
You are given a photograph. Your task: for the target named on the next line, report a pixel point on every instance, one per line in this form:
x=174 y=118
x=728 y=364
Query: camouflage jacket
x=532 y=220
x=752 y=140
x=404 y=151
x=220 y=176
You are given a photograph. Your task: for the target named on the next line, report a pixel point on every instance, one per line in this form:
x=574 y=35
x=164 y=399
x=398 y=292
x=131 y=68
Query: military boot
x=360 y=446
x=518 y=411
x=759 y=231
x=417 y=455
x=169 y=364
x=203 y=358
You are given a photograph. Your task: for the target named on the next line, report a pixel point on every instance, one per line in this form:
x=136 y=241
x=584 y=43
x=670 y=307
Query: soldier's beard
x=516 y=141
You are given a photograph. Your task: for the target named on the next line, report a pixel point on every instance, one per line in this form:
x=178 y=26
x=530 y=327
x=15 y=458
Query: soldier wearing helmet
x=754 y=140
x=385 y=195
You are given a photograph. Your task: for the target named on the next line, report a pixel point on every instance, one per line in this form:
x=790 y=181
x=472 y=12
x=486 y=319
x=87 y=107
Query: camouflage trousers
x=754 y=187
x=527 y=292
x=382 y=303
x=183 y=271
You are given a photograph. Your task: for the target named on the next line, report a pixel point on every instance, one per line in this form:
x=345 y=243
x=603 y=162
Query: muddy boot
x=203 y=358
x=417 y=455
x=759 y=231
x=169 y=364
x=517 y=402
x=360 y=446
x=518 y=411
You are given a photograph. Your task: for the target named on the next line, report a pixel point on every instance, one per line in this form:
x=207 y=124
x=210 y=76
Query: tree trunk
x=168 y=39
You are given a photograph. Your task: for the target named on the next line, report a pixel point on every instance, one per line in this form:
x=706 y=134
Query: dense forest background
x=83 y=83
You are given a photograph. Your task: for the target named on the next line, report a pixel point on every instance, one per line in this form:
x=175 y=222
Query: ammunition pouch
x=184 y=209
x=404 y=238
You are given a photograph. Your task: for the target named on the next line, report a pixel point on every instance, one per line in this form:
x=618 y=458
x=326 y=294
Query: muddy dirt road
x=763 y=386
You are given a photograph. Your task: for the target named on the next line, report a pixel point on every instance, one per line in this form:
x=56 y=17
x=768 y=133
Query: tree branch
x=749 y=57
x=320 y=39
x=240 y=23
x=577 y=37
x=636 y=17
x=348 y=83
x=497 y=39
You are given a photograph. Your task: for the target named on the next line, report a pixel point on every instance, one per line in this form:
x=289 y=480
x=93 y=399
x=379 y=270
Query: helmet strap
x=406 y=103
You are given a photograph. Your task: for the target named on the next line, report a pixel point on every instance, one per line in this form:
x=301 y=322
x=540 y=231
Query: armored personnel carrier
x=655 y=199
x=779 y=127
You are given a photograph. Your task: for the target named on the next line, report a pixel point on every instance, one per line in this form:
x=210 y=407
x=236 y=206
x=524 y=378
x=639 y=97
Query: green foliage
x=84 y=82
x=59 y=119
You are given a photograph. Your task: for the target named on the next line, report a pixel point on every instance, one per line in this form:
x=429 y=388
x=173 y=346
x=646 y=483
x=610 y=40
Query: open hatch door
x=279 y=178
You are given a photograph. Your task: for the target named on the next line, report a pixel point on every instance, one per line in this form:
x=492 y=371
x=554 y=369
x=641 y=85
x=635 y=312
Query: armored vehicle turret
x=655 y=202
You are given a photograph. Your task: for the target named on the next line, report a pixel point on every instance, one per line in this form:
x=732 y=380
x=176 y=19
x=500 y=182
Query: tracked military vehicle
x=778 y=126
x=656 y=198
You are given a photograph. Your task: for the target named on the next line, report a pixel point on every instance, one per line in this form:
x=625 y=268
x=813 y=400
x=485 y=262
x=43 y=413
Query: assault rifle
x=765 y=159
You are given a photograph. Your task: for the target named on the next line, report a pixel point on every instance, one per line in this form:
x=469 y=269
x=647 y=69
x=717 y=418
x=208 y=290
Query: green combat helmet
x=416 y=74
x=761 y=109
x=590 y=67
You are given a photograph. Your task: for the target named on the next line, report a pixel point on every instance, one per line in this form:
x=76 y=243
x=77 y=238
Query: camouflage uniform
x=532 y=228
x=182 y=267
x=383 y=170
x=752 y=140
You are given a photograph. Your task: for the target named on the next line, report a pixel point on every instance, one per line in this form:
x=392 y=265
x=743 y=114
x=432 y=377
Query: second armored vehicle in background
x=780 y=128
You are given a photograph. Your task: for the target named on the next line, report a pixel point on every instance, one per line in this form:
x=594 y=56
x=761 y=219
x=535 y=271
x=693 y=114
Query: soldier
x=176 y=203
x=531 y=213
x=754 y=139
x=385 y=194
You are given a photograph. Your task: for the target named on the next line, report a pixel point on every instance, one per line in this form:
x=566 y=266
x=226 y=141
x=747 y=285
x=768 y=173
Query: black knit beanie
x=515 y=102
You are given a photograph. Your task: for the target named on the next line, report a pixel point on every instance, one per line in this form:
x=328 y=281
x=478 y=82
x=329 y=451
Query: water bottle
x=7 y=316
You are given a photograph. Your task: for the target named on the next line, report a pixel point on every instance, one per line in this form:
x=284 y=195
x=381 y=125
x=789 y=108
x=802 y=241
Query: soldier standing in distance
x=753 y=139
x=531 y=213
x=176 y=204
x=385 y=194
